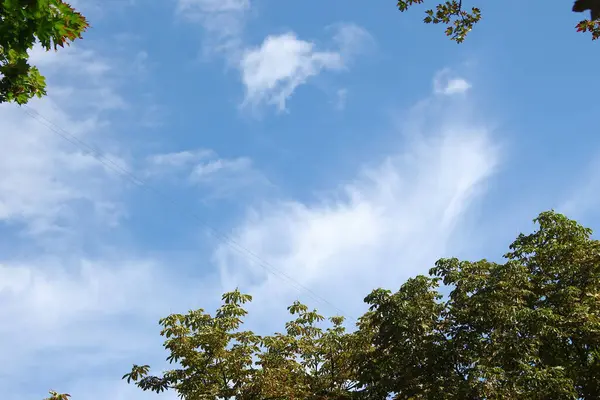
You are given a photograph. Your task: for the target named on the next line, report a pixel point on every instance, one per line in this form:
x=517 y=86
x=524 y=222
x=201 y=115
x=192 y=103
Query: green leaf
x=52 y=23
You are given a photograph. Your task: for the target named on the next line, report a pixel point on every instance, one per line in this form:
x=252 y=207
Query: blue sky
x=347 y=145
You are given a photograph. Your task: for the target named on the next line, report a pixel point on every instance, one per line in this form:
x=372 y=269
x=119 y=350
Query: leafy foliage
x=217 y=360
x=56 y=396
x=593 y=24
x=52 y=23
x=590 y=26
x=460 y=22
x=525 y=329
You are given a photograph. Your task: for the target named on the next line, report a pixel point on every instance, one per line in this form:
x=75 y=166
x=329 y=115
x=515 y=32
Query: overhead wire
x=98 y=154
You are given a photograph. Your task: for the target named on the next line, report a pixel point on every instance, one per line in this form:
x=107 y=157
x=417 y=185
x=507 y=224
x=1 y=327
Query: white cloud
x=456 y=86
x=83 y=62
x=341 y=97
x=74 y=316
x=212 y=6
x=62 y=308
x=392 y=221
x=352 y=39
x=274 y=70
x=42 y=173
x=223 y=21
x=84 y=69
x=48 y=295
x=223 y=177
x=198 y=164
x=68 y=315
x=177 y=160
x=94 y=10
x=207 y=170
x=446 y=83
x=583 y=198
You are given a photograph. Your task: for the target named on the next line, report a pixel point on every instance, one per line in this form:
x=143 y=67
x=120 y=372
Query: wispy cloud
x=448 y=83
x=582 y=198
x=93 y=75
x=341 y=97
x=207 y=170
x=223 y=21
x=162 y=163
x=352 y=39
x=221 y=177
x=65 y=314
x=58 y=302
x=41 y=171
x=392 y=221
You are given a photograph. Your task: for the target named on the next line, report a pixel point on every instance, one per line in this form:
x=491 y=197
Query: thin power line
x=97 y=153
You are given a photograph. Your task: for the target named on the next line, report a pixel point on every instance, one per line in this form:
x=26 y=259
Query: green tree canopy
x=525 y=329
x=218 y=360
x=51 y=23
x=459 y=21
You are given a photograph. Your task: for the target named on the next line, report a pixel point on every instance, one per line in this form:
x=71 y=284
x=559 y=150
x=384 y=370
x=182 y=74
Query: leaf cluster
x=460 y=22
x=51 y=23
x=56 y=396
x=587 y=25
x=525 y=329
x=218 y=360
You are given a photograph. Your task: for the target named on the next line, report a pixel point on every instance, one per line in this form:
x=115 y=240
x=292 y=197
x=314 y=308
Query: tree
x=218 y=360
x=460 y=22
x=51 y=23
x=525 y=329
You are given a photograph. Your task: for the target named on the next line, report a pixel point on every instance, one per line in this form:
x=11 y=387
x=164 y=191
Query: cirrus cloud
x=393 y=220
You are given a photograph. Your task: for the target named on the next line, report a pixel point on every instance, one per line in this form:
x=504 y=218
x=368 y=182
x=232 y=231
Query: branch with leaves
x=51 y=23
x=57 y=396
x=460 y=22
x=218 y=360
x=591 y=25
